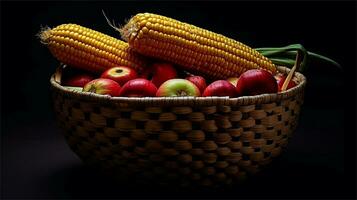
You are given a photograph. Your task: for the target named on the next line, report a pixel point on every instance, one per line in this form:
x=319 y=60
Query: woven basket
x=202 y=141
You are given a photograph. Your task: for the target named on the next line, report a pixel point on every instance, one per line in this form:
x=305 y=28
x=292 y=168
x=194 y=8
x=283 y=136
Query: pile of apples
x=162 y=80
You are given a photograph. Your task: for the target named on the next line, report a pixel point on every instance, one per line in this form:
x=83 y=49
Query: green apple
x=178 y=88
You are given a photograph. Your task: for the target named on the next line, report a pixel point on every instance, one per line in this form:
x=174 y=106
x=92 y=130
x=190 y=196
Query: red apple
x=138 y=88
x=177 y=88
x=281 y=79
x=255 y=82
x=159 y=73
x=103 y=86
x=220 y=88
x=233 y=80
x=78 y=80
x=120 y=74
x=199 y=81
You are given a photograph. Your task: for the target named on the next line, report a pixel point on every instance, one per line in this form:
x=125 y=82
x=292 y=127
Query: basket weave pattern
x=206 y=140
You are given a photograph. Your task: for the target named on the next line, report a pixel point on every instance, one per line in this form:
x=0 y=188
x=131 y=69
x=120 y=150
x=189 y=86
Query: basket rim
x=161 y=101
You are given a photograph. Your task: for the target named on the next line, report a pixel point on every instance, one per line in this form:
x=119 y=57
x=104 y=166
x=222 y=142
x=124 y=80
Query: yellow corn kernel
x=195 y=49
x=89 y=50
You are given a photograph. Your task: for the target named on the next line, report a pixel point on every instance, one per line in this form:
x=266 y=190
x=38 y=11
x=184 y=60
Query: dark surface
x=319 y=163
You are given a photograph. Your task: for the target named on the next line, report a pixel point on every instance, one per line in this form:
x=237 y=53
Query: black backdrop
x=320 y=161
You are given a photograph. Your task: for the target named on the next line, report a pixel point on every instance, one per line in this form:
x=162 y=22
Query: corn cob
x=195 y=49
x=88 y=49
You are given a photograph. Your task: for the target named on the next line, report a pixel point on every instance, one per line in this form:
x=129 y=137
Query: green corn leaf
x=283 y=61
x=285 y=55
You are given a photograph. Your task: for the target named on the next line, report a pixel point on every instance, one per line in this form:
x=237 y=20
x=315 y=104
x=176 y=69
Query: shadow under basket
x=204 y=141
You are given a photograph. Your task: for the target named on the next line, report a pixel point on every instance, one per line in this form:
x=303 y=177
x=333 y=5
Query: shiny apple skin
x=138 y=87
x=103 y=86
x=158 y=73
x=78 y=80
x=220 y=88
x=177 y=88
x=256 y=82
x=199 y=81
x=120 y=74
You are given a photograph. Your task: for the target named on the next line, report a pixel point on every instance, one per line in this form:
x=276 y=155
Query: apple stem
x=92 y=89
x=182 y=93
x=119 y=71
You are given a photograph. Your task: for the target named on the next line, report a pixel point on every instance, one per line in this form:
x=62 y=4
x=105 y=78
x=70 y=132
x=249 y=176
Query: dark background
x=319 y=163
